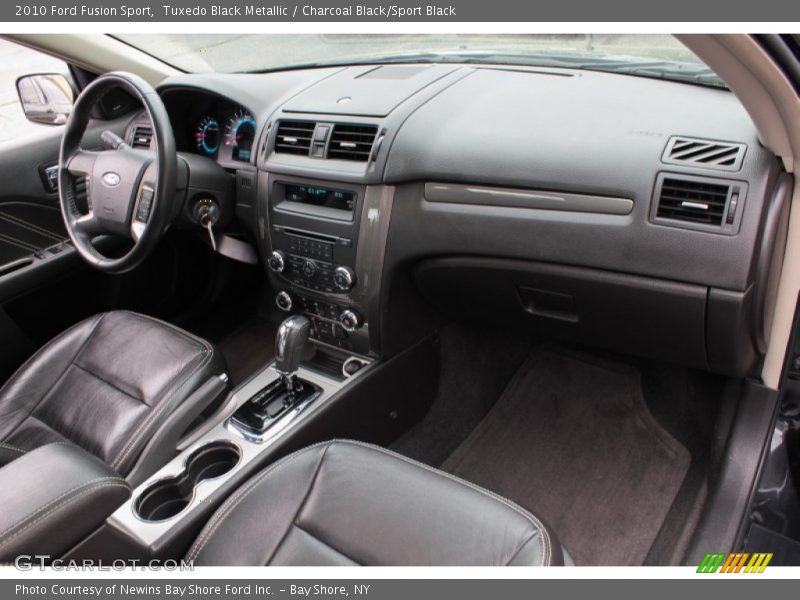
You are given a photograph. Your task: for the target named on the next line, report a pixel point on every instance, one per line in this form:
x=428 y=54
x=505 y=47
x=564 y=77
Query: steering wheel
x=129 y=191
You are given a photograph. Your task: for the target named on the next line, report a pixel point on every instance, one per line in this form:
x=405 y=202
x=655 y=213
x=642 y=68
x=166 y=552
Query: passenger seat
x=349 y=503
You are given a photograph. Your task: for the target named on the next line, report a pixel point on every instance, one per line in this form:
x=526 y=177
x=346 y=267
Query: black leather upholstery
x=53 y=497
x=345 y=503
x=107 y=385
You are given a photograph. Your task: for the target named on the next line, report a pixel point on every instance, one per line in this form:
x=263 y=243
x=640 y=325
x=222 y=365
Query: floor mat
x=571 y=439
x=248 y=348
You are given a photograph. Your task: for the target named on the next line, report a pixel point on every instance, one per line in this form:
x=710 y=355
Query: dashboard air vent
x=142 y=136
x=710 y=154
x=692 y=200
x=294 y=137
x=352 y=142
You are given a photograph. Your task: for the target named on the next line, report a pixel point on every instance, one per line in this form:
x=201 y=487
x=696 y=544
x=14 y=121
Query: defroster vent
x=709 y=154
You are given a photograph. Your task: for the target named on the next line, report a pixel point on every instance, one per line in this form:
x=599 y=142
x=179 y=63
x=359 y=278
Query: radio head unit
x=315 y=200
x=315 y=195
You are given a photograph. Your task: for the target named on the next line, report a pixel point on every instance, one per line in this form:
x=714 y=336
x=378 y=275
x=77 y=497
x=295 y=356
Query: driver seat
x=121 y=385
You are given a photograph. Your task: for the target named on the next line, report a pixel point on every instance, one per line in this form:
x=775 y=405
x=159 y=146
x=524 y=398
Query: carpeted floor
x=572 y=440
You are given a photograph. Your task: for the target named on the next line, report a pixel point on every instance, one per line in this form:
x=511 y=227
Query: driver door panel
x=38 y=267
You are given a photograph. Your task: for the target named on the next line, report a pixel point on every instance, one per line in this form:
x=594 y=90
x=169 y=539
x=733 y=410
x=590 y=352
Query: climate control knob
x=350 y=320
x=344 y=278
x=277 y=261
x=284 y=301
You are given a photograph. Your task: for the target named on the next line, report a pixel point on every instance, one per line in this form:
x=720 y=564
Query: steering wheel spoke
x=88 y=225
x=81 y=163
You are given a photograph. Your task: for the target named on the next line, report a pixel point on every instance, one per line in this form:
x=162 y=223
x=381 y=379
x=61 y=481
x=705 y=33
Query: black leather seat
x=346 y=503
x=120 y=385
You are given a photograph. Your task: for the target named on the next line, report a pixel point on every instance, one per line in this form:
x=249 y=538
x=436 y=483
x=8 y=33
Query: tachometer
x=239 y=135
x=207 y=136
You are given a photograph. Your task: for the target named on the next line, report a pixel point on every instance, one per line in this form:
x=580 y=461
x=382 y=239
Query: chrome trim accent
x=151 y=533
x=352 y=316
x=349 y=276
x=530 y=199
x=697 y=205
x=360 y=361
x=289 y=301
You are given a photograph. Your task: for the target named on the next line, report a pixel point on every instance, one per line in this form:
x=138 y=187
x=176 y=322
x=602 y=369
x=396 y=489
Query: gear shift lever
x=287 y=393
x=290 y=342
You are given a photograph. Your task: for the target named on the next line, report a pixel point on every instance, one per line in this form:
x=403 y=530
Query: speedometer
x=239 y=135
x=207 y=136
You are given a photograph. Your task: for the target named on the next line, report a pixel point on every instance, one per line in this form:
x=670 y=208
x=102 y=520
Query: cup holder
x=167 y=497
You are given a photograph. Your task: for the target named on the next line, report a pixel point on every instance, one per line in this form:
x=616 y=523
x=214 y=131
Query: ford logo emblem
x=111 y=179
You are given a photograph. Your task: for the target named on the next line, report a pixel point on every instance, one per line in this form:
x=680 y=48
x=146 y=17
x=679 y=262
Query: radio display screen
x=320 y=196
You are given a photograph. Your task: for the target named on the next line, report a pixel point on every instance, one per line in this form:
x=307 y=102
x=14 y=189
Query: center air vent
x=294 y=137
x=699 y=202
x=142 y=136
x=710 y=154
x=343 y=141
x=352 y=142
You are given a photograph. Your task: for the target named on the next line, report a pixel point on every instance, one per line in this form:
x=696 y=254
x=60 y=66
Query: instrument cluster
x=228 y=136
x=211 y=125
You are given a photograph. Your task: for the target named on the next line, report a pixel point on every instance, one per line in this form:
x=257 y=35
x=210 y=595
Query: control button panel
x=314 y=274
x=145 y=204
x=325 y=318
x=310 y=247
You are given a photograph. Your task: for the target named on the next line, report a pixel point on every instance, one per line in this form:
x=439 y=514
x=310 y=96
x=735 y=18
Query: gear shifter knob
x=289 y=344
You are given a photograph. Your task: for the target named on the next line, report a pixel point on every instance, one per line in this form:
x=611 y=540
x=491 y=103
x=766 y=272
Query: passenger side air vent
x=704 y=203
x=352 y=142
x=141 y=137
x=693 y=201
x=710 y=154
x=294 y=137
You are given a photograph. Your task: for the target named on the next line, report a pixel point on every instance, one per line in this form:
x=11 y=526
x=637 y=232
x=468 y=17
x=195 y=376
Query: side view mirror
x=46 y=98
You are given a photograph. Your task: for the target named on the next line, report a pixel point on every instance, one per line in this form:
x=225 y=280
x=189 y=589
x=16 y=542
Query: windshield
x=644 y=55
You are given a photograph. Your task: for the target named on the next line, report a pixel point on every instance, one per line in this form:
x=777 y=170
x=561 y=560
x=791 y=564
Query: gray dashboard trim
x=520 y=198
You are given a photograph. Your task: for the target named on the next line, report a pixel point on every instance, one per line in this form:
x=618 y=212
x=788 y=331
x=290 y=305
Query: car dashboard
x=611 y=210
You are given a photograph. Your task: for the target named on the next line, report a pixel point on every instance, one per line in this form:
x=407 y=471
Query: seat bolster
x=346 y=502
x=110 y=385
x=250 y=526
x=29 y=385
x=53 y=497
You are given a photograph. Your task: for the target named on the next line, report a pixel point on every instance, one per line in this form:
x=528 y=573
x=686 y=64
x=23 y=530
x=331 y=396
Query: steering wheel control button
x=344 y=278
x=277 y=261
x=351 y=320
x=145 y=205
x=284 y=301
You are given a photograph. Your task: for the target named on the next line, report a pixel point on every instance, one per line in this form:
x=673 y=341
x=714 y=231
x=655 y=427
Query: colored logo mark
x=738 y=562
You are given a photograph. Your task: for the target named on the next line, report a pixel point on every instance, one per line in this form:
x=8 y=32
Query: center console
x=323 y=244
x=166 y=510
